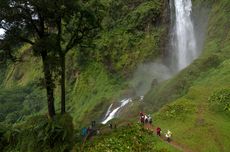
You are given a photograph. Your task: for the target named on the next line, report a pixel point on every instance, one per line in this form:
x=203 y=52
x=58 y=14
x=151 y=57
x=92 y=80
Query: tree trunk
x=63 y=102
x=49 y=85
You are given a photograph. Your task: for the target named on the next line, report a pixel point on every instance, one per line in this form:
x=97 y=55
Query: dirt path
x=173 y=143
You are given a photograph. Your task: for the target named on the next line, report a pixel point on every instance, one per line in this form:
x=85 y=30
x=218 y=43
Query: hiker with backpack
x=168 y=135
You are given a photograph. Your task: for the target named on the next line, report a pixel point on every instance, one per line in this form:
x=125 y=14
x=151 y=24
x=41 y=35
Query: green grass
x=126 y=139
x=27 y=70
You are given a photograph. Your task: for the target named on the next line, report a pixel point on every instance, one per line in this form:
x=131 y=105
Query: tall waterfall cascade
x=183 y=40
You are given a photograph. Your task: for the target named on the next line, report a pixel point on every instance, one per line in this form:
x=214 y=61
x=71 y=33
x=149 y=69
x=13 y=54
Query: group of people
x=90 y=131
x=168 y=134
x=112 y=126
x=147 y=119
x=144 y=119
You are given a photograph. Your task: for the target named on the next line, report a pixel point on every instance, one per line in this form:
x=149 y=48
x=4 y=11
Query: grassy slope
x=133 y=138
x=24 y=72
x=191 y=116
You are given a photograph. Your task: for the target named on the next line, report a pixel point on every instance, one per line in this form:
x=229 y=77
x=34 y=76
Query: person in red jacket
x=158 y=131
x=142 y=119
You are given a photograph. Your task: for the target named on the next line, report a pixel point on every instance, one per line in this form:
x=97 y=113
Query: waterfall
x=112 y=114
x=183 y=40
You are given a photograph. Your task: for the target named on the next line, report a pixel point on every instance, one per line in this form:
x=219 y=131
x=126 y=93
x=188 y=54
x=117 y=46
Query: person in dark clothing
x=142 y=119
x=93 y=124
x=110 y=126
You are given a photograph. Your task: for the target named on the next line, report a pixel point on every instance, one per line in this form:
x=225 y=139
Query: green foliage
x=122 y=49
x=177 y=111
x=16 y=103
x=130 y=35
x=146 y=14
x=11 y=103
x=93 y=87
x=221 y=98
x=34 y=102
x=41 y=134
x=126 y=139
x=2 y=73
x=3 y=141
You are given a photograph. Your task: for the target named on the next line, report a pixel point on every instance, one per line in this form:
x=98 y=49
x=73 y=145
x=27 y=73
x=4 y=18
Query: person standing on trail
x=93 y=124
x=98 y=132
x=84 y=132
x=110 y=126
x=89 y=130
x=142 y=119
x=146 y=119
x=168 y=135
x=158 y=131
x=149 y=119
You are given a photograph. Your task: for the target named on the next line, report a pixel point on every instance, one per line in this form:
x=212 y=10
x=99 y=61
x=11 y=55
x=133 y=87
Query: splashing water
x=108 y=111
x=112 y=114
x=183 y=39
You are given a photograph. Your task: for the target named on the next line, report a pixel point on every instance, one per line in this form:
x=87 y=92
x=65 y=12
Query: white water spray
x=112 y=114
x=183 y=39
x=108 y=111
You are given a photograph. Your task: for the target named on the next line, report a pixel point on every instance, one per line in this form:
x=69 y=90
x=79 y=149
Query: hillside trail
x=151 y=128
x=173 y=143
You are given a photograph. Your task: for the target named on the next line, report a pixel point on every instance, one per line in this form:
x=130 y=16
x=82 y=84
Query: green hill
x=194 y=104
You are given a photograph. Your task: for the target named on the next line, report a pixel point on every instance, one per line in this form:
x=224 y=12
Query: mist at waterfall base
x=144 y=78
x=148 y=75
x=187 y=34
